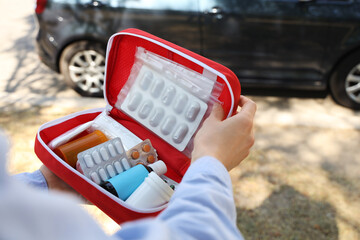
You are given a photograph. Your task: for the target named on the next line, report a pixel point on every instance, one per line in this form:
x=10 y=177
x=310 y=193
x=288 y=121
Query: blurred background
x=299 y=60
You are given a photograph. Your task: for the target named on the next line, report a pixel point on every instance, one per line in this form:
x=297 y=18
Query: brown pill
x=135 y=155
x=151 y=159
x=146 y=148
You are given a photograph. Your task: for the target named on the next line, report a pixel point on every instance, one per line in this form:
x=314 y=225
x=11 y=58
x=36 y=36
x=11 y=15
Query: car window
x=311 y=1
x=337 y=1
x=315 y=1
x=183 y=5
x=72 y=1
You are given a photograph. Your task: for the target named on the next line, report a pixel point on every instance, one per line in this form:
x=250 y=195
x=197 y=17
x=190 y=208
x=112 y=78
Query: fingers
x=217 y=112
x=247 y=106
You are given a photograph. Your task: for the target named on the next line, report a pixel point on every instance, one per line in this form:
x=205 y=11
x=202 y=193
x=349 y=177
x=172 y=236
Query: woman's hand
x=227 y=140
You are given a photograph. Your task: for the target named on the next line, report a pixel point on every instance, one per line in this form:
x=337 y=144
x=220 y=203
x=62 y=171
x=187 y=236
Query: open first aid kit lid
x=120 y=58
x=167 y=89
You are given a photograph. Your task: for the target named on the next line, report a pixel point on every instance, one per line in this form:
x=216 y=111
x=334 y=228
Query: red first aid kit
x=131 y=53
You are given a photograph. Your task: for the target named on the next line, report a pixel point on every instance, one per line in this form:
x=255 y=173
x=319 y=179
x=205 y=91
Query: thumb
x=217 y=112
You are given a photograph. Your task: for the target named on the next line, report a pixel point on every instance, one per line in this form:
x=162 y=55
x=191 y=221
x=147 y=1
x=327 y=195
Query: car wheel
x=345 y=82
x=83 y=64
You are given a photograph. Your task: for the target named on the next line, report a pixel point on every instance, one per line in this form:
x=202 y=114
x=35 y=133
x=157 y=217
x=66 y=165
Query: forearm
x=203 y=204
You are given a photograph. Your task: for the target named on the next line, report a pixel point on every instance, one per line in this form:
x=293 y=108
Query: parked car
x=293 y=44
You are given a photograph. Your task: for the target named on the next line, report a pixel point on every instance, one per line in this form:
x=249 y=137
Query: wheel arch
x=354 y=50
x=337 y=77
x=74 y=40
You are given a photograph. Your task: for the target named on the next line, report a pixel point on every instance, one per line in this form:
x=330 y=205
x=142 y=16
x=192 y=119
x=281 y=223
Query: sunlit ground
x=298 y=182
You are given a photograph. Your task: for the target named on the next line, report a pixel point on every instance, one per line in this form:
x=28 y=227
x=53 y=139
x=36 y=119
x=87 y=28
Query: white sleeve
x=201 y=208
x=35 y=179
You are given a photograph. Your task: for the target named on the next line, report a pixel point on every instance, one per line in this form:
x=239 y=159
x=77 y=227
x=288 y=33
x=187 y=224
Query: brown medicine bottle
x=69 y=151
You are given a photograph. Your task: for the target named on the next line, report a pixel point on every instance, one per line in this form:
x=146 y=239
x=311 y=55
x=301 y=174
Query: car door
x=342 y=18
x=175 y=21
x=267 y=42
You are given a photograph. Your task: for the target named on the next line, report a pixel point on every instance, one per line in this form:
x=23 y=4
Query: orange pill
x=135 y=155
x=151 y=159
x=146 y=148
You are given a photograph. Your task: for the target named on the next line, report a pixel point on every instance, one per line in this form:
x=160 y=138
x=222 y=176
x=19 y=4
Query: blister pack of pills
x=164 y=108
x=103 y=161
x=161 y=96
x=143 y=153
x=205 y=88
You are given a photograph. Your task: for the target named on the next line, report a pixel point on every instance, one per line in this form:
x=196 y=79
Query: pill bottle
x=124 y=184
x=69 y=151
x=153 y=192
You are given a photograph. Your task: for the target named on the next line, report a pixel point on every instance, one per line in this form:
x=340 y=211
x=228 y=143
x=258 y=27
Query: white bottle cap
x=158 y=167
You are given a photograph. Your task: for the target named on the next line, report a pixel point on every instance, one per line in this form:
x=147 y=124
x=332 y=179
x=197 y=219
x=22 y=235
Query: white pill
x=103 y=174
x=95 y=178
x=88 y=160
x=156 y=116
x=134 y=101
x=192 y=112
x=111 y=171
x=168 y=125
x=180 y=103
x=118 y=167
x=104 y=154
x=118 y=147
x=145 y=109
x=96 y=157
x=168 y=95
x=157 y=88
x=125 y=163
x=180 y=133
x=111 y=150
x=169 y=74
x=146 y=80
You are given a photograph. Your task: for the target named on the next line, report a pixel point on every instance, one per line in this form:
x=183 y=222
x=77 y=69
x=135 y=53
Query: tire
x=345 y=82
x=83 y=65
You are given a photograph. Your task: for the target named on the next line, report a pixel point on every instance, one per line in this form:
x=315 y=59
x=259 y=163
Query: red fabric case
x=119 y=61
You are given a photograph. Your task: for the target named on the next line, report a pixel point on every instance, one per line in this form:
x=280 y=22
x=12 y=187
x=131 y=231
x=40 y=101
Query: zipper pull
x=108 y=108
